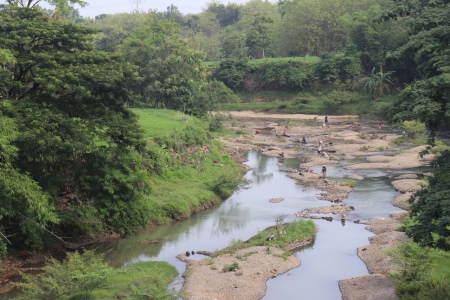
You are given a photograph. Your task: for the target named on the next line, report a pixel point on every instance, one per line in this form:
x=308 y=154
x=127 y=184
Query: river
x=332 y=257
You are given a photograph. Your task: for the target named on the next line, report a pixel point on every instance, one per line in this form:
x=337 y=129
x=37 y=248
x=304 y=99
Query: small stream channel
x=330 y=258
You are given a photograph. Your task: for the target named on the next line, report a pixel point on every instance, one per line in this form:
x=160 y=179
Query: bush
x=413 y=128
x=215 y=122
x=423 y=272
x=230 y=267
x=76 y=277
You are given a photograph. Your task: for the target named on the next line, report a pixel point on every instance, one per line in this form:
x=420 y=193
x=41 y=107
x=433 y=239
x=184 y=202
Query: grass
x=350 y=183
x=230 y=267
x=139 y=279
x=311 y=103
x=292 y=232
x=189 y=180
x=245 y=255
x=257 y=62
x=157 y=122
x=418 y=141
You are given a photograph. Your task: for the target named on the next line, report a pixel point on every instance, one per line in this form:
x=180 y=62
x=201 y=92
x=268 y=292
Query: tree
x=225 y=14
x=376 y=83
x=203 y=31
x=64 y=6
x=23 y=200
x=258 y=38
x=76 y=141
x=232 y=71
x=234 y=44
x=430 y=208
x=427 y=98
x=374 y=40
x=172 y=72
x=114 y=29
x=310 y=27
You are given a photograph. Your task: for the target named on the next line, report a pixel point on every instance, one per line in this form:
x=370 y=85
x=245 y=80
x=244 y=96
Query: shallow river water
x=330 y=258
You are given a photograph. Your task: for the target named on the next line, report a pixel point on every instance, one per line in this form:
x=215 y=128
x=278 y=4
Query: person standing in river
x=324 y=171
x=326 y=120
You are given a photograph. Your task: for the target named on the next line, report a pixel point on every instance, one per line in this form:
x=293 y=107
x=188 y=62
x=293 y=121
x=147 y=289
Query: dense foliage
x=428 y=25
x=423 y=272
x=86 y=276
x=430 y=208
x=73 y=159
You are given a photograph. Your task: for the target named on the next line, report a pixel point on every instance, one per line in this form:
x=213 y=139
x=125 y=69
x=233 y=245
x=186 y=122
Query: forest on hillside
x=73 y=158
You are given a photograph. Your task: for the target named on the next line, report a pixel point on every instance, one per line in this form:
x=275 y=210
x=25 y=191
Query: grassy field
x=262 y=61
x=157 y=122
x=193 y=176
x=332 y=103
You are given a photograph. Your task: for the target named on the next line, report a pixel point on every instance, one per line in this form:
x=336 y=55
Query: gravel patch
x=401 y=201
x=407 y=185
x=205 y=279
x=368 y=288
x=407 y=176
x=354 y=177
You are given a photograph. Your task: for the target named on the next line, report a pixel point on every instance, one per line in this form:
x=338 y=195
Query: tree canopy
x=428 y=24
x=71 y=145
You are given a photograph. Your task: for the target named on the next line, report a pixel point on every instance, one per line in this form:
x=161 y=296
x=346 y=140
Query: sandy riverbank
x=344 y=138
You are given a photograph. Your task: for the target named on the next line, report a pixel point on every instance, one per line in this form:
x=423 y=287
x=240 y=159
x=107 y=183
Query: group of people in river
x=319 y=149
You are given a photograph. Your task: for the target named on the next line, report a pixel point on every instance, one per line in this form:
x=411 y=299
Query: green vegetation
x=86 y=276
x=245 y=255
x=142 y=280
x=350 y=183
x=413 y=128
x=292 y=232
x=334 y=102
x=75 y=161
x=230 y=267
x=76 y=277
x=158 y=122
x=212 y=65
x=424 y=272
x=429 y=208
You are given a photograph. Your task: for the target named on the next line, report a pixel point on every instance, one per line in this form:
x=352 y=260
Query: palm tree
x=376 y=83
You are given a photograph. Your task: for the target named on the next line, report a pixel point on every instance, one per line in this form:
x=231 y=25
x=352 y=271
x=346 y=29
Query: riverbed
x=332 y=256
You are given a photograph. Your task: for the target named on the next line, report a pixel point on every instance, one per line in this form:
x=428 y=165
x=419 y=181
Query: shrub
x=364 y=148
x=423 y=272
x=215 y=122
x=413 y=128
x=230 y=267
x=76 y=277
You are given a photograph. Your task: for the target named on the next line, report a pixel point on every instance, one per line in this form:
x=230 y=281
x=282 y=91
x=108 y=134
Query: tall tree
x=225 y=14
x=76 y=139
x=430 y=208
x=258 y=38
x=172 y=72
x=374 y=40
x=427 y=99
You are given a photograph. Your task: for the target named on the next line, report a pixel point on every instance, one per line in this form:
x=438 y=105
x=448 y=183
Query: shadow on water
x=332 y=256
